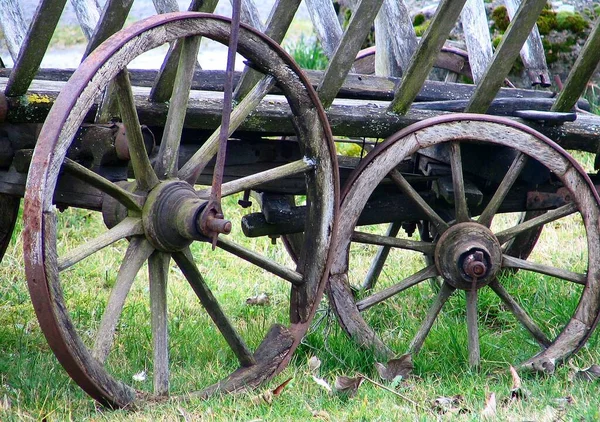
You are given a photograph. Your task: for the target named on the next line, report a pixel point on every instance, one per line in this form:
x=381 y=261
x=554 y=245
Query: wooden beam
x=477 y=37
x=352 y=39
x=423 y=60
x=34 y=46
x=13 y=26
x=395 y=38
x=505 y=55
x=532 y=53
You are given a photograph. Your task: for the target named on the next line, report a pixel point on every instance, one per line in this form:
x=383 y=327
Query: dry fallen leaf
x=490 y=407
x=322 y=383
x=140 y=376
x=517 y=392
x=5 y=403
x=321 y=414
x=261 y=299
x=449 y=404
x=347 y=385
x=184 y=414
x=314 y=363
x=277 y=391
x=401 y=367
x=266 y=397
x=590 y=374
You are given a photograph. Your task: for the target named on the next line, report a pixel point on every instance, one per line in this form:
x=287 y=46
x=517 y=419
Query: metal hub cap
x=468 y=255
x=170 y=216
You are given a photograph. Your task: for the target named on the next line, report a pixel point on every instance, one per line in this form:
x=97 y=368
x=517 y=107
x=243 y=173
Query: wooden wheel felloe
x=470 y=253
x=159 y=216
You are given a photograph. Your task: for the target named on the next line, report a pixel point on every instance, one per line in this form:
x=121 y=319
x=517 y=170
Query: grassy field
x=33 y=386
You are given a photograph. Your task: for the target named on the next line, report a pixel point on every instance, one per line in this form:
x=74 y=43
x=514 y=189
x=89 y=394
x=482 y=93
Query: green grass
x=37 y=387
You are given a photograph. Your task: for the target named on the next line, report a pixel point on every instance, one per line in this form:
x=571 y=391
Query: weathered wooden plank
x=112 y=19
x=165 y=6
x=395 y=38
x=477 y=37
x=505 y=55
x=326 y=24
x=251 y=16
x=13 y=26
x=355 y=86
x=352 y=39
x=163 y=84
x=423 y=60
x=580 y=74
x=352 y=118
x=34 y=46
x=278 y=22
x=532 y=53
x=88 y=15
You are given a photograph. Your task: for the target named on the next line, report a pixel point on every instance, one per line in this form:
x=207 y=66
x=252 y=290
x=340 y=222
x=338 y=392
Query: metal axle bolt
x=475 y=265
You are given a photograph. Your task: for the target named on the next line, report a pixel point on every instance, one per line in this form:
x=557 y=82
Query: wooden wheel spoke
x=376 y=239
x=437 y=221
x=548 y=217
x=509 y=179
x=408 y=282
x=458 y=183
x=382 y=254
x=185 y=261
x=445 y=292
x=137 y=253
x=158 y=270
x=249 y=182
x=130 y=200
x=145 y=176
x=520 y=314
x=259 y=260
x=512 y=262
x=472 y=328
x=192 y=169
x=128 y=227
x=167 y=160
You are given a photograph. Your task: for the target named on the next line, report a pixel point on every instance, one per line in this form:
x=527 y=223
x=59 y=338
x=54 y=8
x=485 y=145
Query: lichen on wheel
x=157 y=215
x=545 y=312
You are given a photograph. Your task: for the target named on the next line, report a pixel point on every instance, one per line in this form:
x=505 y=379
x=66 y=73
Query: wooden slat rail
x=532 y=53
x=505 y=55
x=163 y=85
x=112 y=19
x=278 y=23
x=13 y=26
x=165 y=6
x=326 y=24
x=341 y=62
x=88 y=14
x=395 y=38
x=34 y=46
x=477 y=37
x=422 y=61
x=353 y=118
x=582 y=71
x=365 y=87
x=251 y=16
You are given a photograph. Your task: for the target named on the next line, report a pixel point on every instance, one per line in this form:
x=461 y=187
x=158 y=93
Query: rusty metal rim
x=37 y=222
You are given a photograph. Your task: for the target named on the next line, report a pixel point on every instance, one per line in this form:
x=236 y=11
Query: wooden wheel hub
x=170 y=216
x=468 y=256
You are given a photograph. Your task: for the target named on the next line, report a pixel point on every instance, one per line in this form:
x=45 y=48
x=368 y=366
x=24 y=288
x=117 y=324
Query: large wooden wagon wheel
x=160 y=213
x=469 y=253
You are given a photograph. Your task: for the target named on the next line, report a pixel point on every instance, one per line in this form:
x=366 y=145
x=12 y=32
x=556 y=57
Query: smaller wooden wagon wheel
x=158 y=216
x=549 y=307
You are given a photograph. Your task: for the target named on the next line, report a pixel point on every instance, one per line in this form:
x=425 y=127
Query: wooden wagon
x=146 y=149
